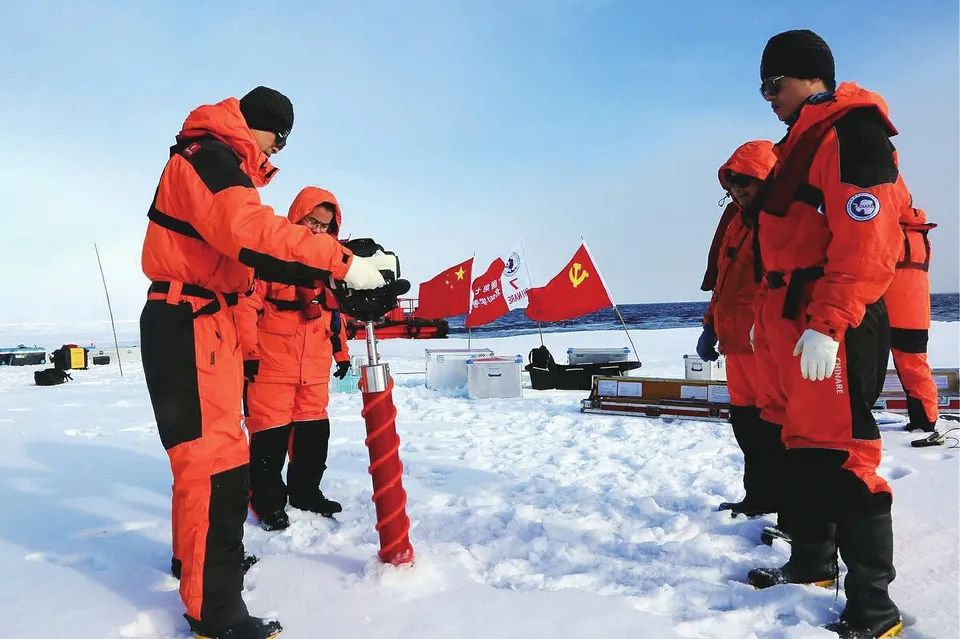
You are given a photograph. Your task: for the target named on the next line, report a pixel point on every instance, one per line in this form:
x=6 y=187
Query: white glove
x=383 y=262
x=363 y=274
x=818 y=355
x=752 y=326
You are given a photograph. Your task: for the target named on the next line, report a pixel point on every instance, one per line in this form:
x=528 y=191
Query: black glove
x=250 y=369
x=706 y=345
x=342 y=368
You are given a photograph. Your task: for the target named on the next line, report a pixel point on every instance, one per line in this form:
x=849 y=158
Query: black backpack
x=543 y=370
x=540 y=357
x=50 y=377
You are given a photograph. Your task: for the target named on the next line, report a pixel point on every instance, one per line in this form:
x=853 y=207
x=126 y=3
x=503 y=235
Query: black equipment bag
x=546 y=374
x=50 y=377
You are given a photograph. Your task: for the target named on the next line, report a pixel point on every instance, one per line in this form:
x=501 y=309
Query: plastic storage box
x=696 y=368
x=578 y=356
x=490 y=377
x=447 y=367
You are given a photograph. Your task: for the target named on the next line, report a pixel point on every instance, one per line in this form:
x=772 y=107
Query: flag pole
x=526 y=265
x=636 y=353
x=473 y=259
x=109 y=308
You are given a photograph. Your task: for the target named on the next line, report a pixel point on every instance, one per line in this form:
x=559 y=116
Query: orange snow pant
x=758 y=439
x=908 y=303
x=273 y=404
x=194 y=373
x=741 y=379
x=832 y=440
x=286 y=420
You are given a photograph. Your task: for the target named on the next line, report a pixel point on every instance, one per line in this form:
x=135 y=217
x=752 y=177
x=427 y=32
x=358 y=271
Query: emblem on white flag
x=515 y=280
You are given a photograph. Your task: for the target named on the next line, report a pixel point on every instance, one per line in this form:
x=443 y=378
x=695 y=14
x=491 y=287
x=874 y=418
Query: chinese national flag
x=447 y=294
x=575 y=291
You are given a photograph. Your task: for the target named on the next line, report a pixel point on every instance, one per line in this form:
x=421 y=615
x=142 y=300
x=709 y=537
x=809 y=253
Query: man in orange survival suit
x=908 y=303
x=730 y=274
x=829 y=237
x=207 y=233
x=289 y=341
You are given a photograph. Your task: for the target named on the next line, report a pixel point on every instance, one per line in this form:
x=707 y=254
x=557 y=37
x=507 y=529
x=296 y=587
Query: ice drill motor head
x=371 y=305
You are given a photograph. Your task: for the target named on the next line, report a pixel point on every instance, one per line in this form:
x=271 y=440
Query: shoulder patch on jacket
x=866 y=153
x=215 y=163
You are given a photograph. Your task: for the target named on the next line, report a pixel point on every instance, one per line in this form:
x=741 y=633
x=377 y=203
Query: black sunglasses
x=739 y=180
x=769 y=87
x=280 y=141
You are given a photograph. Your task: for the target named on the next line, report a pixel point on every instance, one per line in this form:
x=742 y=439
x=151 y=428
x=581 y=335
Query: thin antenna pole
x=113 y=324
x=636 y=353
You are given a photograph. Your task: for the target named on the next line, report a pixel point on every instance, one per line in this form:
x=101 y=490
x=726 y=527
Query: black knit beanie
x=797 y=54
x=267 y=109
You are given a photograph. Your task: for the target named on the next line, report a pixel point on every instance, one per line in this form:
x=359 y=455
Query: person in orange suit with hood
x=207 y=232
x=908 y=303
x=829 y=240
x=733 y=305
x=290 y=336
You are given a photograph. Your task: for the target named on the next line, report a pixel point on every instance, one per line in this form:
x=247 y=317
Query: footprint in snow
x=146 y=428
x=84 y=562
x=166 y=583
x=899 y=472
x=79 y=432
x=118 y=529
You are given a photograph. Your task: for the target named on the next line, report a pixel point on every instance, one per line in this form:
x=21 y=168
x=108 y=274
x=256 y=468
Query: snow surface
x=530 y=519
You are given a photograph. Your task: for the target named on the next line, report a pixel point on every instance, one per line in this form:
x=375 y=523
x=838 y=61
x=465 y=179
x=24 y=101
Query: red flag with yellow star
x=577 y=290
x=447 y=294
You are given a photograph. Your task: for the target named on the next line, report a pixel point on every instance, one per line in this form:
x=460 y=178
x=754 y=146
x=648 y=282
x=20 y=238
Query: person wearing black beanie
x=829 y=239
x=269 y=114
x=795 y=65
x=208 y=234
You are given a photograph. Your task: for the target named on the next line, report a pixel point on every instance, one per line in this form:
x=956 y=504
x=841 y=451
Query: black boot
x=918 y=417
x=268 y=452
x=276 y=520
x=307 y=462
x=760 y=442
x=813 y=559
x=846 y=630
x=746 y=508
x=866 y=545
x=771 y=533
x=782 y=529
x=249 y=628
x=319 y=504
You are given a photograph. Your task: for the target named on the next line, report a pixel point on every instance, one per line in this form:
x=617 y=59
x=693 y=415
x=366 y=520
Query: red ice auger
x=379 y=413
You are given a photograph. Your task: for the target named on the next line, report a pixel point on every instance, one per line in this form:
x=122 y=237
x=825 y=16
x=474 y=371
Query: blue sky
x=444 y=128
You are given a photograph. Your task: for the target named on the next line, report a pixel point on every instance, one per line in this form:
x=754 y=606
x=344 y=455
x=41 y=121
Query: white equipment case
x=696 y=368
x=578 y=356
x=447 y=367
x=490 y=377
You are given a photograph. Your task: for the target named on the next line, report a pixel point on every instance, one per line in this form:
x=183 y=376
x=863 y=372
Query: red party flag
x=577 y=290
